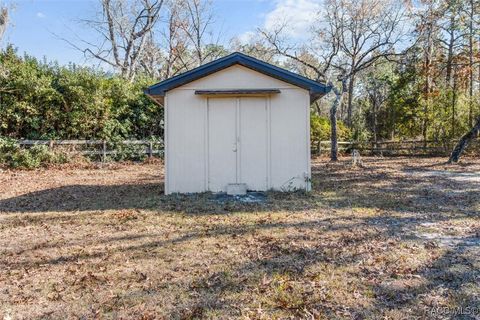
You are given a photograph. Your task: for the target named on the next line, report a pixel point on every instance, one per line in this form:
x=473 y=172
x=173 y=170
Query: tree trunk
x=464 y=141
x=425 y=124
x=454 y=102
x=350 y=100
x=451 y=44
x=427 y=85
x=470 y=64
x=333 y=132
x=333 y=123
x=374 y=102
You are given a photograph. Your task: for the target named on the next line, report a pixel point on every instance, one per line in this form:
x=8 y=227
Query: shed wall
x=187 y=131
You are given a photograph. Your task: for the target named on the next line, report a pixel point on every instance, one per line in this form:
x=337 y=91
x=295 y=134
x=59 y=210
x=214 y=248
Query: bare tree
x=150 y=64
x=200 y=38
x=281 y=46
x=125 y=28
x=167 y=54
x=333 y=118
x=367 y=30
x=472 y=13
x=348 y=38
x=377 y=93
x=3 y=27
x=3 y=21
x=255 y=47
x=158 y=37
x=427 y=35
x=175 y=40
x=451 y=27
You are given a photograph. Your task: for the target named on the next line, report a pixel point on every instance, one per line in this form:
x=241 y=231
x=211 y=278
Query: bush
x=8 y=147
x=24 y=159
x=320 y=130
x=13 y=156
x=128 y=152
x=42 y=100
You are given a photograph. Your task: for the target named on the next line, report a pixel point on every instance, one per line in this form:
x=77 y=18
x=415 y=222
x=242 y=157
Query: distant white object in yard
x=236 y=120
x=236 y=189
x=356 y=158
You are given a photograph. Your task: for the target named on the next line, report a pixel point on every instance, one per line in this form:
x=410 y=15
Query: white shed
x=237 y=120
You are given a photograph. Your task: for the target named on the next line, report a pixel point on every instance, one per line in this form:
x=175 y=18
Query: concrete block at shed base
x=236 y=189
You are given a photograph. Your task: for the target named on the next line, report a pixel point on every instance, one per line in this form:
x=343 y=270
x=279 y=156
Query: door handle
x=234 y=148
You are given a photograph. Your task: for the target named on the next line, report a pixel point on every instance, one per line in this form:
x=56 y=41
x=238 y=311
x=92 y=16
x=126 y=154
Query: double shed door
x=237 y=142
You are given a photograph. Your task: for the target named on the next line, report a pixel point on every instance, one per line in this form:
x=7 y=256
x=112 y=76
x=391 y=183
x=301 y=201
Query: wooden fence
x=396 y=148
x=103 y=148
x=100 y=148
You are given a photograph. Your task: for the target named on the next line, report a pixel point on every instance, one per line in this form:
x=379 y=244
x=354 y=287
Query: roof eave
x=157 y=99
x=315 y=95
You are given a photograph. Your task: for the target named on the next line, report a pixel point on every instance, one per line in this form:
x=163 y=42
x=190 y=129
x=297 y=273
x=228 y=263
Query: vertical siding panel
x=308 y=186
x=253 y=136
x=166 y=153
x=238 y=145
x=289 y=139
x=206 y=146
x=269 y=137
x=186 y=141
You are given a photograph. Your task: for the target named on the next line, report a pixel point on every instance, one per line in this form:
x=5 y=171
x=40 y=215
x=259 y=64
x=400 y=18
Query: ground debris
x=392 y=240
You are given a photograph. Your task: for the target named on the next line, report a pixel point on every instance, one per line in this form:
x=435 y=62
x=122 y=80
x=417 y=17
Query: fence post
x=104 y=151
x=150 y=149
x=50 y=145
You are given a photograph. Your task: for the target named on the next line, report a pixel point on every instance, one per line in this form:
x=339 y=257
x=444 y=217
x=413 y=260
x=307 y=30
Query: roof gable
x=316 y=89
x=237 y=77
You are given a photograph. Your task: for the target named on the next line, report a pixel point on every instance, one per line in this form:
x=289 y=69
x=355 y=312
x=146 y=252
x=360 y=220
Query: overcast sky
x=38 y=25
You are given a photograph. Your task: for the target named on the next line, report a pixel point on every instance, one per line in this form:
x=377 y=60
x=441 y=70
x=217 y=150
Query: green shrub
x=23 y=158
x=13 y=156
x=128 y=152
x=8 y=147
x=320 y=130
x=41 y=100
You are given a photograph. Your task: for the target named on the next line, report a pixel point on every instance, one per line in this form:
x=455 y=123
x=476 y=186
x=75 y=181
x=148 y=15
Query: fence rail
x=80 y=142
x=101 y=148
x=151 y=148
x=396 y=148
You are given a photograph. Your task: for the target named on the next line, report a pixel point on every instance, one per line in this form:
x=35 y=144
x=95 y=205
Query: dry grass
x=393 y=240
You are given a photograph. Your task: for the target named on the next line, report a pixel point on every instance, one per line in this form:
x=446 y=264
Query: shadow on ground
x=334 y=187
x=86 y=198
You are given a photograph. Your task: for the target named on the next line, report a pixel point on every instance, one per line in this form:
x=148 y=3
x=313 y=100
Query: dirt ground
x=397 y=238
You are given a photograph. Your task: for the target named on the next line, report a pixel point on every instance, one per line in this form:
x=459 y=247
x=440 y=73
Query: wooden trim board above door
x=238 y=92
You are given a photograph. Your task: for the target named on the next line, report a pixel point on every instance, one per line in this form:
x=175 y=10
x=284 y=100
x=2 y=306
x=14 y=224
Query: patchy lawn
x=398 y=238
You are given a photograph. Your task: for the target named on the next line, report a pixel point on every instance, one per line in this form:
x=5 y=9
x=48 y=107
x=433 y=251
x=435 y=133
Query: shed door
x=253 y=142
x=237 y=143
x=222 y=144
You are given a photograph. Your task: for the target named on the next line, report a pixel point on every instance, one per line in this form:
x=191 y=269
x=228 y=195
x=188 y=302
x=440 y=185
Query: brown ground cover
x=398 y=238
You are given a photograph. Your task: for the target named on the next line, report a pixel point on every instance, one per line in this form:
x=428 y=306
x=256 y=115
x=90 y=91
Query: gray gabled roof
x=316 y=89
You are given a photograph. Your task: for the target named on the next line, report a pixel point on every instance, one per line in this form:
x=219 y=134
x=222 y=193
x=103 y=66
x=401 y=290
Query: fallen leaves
x=105 y=243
